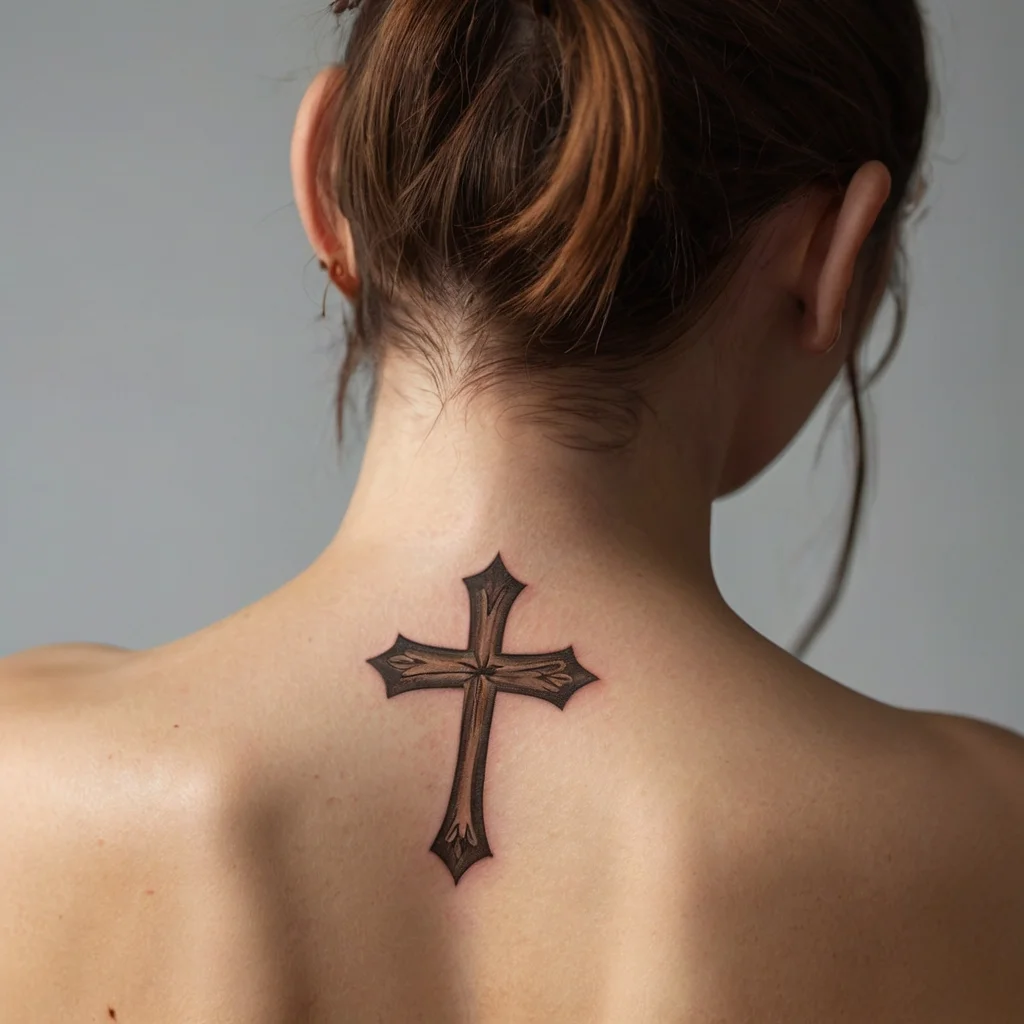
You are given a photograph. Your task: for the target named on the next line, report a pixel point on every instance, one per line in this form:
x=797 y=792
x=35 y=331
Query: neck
x=453 y=483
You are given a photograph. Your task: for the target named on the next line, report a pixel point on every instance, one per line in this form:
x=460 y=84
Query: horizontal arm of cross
x=552 y=677
x=412 y=666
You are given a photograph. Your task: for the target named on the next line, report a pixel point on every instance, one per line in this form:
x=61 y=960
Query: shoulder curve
x=59 y=657
x=990 y=744
x=54 y=672
x=985 y=790
x=988 y=759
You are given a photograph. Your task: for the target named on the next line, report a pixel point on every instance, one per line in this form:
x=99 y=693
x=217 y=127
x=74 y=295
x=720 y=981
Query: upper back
x=220 y=830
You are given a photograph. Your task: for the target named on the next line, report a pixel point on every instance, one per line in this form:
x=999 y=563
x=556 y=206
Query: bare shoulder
x=97 y=740
x=65 y=660
x=106 y=723
x=40 y=688
x=975 y=813
x=73 y=717
x=989 y=758
x=81 y=717
x=887 y=859
x=58 y=656
x=975 y=782
x=978 y=735
x=962 y=791
x=121 y=846
x=981 y=765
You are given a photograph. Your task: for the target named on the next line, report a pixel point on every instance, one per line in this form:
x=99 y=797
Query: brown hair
x=566 y=186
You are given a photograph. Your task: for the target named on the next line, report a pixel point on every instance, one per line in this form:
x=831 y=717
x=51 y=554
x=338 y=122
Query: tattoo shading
x=480 y=671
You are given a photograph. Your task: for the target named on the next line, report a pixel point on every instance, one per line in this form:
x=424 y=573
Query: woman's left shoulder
x=61 y=659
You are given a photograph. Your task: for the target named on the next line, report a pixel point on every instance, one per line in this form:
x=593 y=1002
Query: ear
x=830 y=261
x=328 y=231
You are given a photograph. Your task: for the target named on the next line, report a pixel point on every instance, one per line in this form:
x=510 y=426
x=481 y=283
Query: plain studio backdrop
x=166 y=445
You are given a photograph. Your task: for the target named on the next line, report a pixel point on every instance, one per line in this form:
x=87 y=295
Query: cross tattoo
x=480 y=671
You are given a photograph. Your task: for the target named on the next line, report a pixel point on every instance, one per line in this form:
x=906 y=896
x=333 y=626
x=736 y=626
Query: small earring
x=336 y=272
x=339 y=277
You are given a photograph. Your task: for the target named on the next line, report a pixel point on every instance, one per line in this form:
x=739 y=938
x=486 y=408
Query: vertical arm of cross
x=491 y=596
x=462 y=840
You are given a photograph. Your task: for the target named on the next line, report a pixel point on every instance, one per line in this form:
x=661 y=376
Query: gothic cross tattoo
x=480 y=671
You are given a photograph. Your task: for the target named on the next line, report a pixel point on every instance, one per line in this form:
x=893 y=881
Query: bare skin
x=237 y=826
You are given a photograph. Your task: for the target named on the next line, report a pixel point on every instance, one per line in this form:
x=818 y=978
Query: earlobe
x=339 y=269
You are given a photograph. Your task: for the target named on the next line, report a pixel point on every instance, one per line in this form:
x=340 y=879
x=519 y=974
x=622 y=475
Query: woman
x=503 y=753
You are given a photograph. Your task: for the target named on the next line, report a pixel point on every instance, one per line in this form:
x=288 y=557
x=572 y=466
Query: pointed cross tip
x=458 y=866
x=585 y=673
x=497 y=570
x=381 y=659
x=497 y=565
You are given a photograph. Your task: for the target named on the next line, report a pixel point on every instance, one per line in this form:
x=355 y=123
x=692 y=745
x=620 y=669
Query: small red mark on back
x=151 y=892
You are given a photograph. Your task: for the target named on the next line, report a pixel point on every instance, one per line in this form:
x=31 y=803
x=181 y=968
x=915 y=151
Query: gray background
x=166 y=449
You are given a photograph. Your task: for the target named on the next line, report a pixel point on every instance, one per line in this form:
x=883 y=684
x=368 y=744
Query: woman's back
x=238 y=827
x=503 y=753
